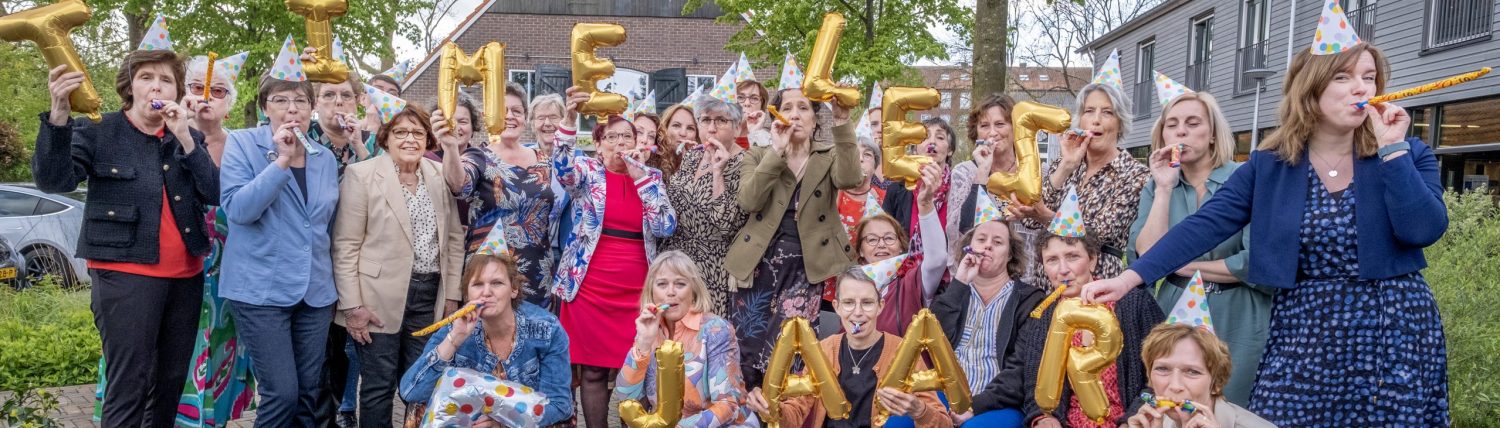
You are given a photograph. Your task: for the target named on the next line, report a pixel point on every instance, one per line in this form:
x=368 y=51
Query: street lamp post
x=1260 y=75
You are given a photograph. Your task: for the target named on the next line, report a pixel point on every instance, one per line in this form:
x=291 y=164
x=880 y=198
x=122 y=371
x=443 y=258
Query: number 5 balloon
x=48 y=27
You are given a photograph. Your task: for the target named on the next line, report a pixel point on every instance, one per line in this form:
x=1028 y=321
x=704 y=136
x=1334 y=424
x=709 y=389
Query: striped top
x=976 y=347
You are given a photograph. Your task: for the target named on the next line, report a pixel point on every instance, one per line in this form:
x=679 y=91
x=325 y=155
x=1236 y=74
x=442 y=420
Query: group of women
x=713 y=223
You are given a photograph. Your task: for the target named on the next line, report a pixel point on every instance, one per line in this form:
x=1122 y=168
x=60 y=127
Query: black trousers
x=147 y=327
x=387 y=357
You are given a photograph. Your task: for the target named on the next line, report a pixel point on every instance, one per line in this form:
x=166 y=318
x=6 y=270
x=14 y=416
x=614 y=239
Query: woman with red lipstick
x=1107 y=179
x=1354 y=328
x=674 y=306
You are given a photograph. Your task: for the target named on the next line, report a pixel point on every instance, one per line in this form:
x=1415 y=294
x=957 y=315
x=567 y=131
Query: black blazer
x=127 y=171
x=898 y=202
x=951 y=309
x=1137 y=312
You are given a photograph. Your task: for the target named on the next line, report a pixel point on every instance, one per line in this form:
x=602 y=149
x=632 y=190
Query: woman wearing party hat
x=1068 y=256
x=1355 y=337
x=1107 y=178
x=905 y=284
x=705 y=191
x=1193 y=133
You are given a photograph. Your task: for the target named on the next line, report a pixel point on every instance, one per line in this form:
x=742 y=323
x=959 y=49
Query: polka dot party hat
x=1069 y=220
x=1168 y=89
x=234 y=63
x=1192 y=307
x=1109 y=71
x=791 y=75
x=156 y=38
x=288 y=65
x=742 y=70
x=338 y=50
x=985 y=209
x=399 y=70
x=387 y=105
x=884 y=271
x=871 y=208
x=646 y=104
x=724 y=87
x=1334 y=33
x=494 y=242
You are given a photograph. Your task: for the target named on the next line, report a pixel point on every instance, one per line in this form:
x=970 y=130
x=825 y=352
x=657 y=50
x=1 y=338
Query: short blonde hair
x=1299 y=112
x=1222 y=145
x=679 y=262
x=1164 y=337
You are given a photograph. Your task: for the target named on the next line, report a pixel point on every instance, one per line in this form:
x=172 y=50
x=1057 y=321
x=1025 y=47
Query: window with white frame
x=526 y=79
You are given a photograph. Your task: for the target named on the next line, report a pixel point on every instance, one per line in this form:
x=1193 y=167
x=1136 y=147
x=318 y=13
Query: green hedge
x=47 y=338
x=1464 y=270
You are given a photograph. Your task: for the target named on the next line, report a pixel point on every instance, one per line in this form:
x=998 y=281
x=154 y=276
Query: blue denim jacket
x=540 y=360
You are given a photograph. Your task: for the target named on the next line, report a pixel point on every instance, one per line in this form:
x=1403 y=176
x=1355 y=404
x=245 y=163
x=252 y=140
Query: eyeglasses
x=213 y=91
x=337 y=96
x=414 y=134
x=549 y=118
x=618 y=137
x=865 y=305
x=714 y=121
x=755 y=98
x=283 y=102
x=886 y=240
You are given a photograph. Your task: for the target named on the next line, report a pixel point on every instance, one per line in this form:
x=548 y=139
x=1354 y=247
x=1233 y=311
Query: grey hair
x=537 y=103
x=706 y=105
x=868 y=143
x=1117 y=99
x=198 y=67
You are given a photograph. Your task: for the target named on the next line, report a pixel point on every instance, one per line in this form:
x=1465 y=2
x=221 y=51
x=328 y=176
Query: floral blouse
x=582 y=176
x=1109 y=202
x=518 y=199
x=711 y=364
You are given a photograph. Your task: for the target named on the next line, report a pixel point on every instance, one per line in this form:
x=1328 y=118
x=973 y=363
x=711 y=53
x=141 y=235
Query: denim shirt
x=539 y=360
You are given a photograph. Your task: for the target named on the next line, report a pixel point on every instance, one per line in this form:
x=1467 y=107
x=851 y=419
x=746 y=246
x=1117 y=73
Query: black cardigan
x=951 y=309
x=898 y=202
x=127 y=170
x=1137 y=312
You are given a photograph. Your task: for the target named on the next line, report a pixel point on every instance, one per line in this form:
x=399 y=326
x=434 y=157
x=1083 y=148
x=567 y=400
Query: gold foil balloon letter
x=48 y=27
x=669 y=386
x=589 y=69
x=925 y=334
x=818 y=84
x=486 y=66
x=797 y=338
x=897 y=133
x=1083 y=363
x=319 y=15
x=1026 y=119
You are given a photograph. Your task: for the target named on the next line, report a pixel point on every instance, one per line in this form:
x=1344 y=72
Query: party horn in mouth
x=208 y=75
x=660 y=308
x=1176 y=156
x=778 y=116
x=858 y=327
x=158 y=105
x=1151 y=400
x=448 y=320
x=1441 y=84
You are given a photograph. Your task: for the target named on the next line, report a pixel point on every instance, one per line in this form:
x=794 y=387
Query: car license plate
x=7 y=273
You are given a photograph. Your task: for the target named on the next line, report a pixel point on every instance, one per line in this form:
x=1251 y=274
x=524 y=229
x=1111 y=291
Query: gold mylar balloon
x=589 y=69
x=1026 y=119
x=896 y=133
x=669 y=385
x=925 y=334
x=1083 y=364
x=797 y=338
x=818 y=85
x=48 y=27
x=486 y=66
x=319 y=15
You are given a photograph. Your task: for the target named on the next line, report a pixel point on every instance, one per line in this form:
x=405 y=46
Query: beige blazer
x=372 y=244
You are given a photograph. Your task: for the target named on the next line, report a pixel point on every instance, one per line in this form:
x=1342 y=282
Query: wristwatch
x=1393 y=148
x=271 y=155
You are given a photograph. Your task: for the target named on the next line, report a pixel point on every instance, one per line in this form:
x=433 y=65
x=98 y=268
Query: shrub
x=47 y=338
x=1464 y=268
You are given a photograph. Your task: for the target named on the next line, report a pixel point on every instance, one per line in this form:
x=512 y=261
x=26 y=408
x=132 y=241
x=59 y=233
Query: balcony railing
x=1362 y=17
x=1197 y=76
x=1250 y=57
x=1454 y=22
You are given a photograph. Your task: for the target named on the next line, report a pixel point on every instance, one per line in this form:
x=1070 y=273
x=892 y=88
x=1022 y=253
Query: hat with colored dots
x=234 y=63
x=1192 y=307
x=1168 y=89
x=985 y=209
x=494 y=242
x=156 y=38
x=884 y=271
x=288 y=65
x=1069 y=220
x=1334 y=33
x=1109 y=71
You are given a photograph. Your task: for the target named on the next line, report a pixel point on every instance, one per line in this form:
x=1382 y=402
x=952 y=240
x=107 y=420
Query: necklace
x=1333 y=170
x=859 y=361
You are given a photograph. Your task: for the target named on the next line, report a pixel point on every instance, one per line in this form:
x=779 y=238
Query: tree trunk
x=138 y=23
x=990 y=32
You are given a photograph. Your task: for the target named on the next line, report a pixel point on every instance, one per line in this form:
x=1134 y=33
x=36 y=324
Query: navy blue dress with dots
x=1345 y=351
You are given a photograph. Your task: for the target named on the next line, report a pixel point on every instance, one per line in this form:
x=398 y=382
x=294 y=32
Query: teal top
x=1234 y=251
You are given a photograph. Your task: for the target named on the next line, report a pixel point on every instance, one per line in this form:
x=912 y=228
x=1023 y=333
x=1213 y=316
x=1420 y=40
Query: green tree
x=882 y=36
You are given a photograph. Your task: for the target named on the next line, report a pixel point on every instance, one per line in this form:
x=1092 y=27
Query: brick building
x=664 y=50
x=1047 y=85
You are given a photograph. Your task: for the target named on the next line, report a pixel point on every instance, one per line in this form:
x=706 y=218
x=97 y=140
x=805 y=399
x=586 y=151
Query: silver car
x=44 y=229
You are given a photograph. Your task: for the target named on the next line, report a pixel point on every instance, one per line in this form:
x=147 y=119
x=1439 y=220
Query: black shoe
x=346 y=420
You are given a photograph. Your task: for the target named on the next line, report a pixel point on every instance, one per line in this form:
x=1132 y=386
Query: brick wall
x=651 y=44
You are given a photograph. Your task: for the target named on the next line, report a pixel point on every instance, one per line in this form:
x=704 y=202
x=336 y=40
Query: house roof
x=960 y=77
x=1132 y=25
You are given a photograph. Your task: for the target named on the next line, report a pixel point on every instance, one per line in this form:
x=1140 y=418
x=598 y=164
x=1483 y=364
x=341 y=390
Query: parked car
x=43 y=228
x=10 y=266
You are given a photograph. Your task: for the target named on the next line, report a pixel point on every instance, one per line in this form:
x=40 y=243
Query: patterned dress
x=219 y=386
x=778 y=290
x=1108 y=200
x=1345 y=351
x=519 y=199
x=707 y=224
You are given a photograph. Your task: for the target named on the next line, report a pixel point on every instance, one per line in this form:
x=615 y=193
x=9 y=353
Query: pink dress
x=600 y=321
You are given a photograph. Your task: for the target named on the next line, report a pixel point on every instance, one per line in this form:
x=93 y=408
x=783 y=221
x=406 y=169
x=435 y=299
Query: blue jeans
x=1003 y=418
x=351 y=384
x=288 y=389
